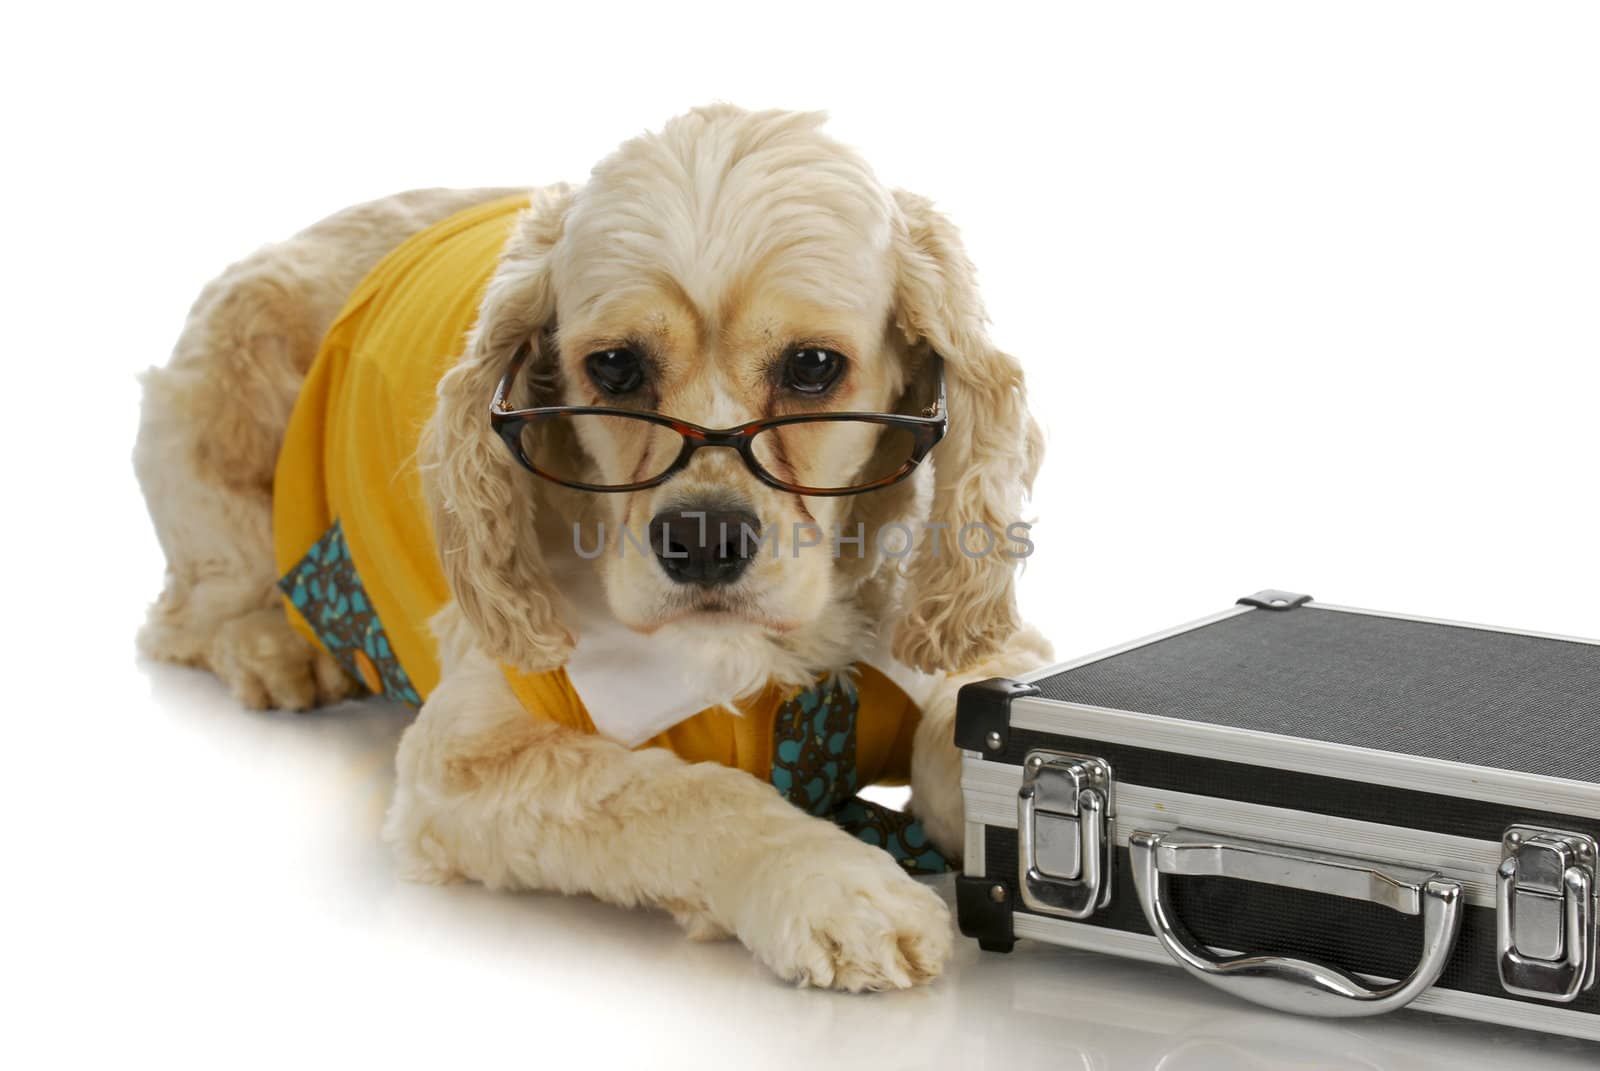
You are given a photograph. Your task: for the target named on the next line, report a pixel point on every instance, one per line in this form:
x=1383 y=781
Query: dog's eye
x=812 y=369
x=616 y=371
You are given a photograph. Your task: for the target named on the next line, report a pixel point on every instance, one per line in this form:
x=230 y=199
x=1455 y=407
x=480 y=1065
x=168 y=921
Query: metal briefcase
x=1323 y=810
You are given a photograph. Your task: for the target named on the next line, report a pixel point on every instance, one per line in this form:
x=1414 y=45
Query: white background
x=1307 y=295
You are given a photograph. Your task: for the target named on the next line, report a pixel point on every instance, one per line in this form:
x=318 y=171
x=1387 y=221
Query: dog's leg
x=490 y=793
x=208 y=441
x=935 y=759
x=212 y=423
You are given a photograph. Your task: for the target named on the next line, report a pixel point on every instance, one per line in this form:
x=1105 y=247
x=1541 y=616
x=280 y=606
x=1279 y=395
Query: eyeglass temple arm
x=502 y=392
x=939 y=407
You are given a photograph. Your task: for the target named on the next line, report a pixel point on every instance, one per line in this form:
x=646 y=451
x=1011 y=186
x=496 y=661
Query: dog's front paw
x=846 y=918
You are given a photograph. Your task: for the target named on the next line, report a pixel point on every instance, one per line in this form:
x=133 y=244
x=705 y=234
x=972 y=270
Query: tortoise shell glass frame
x=926 y=431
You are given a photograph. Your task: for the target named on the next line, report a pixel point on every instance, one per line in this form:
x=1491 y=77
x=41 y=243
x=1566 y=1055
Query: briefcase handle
x=1288 y=984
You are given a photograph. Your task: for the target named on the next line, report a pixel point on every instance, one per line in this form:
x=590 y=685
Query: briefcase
x=1327 y=811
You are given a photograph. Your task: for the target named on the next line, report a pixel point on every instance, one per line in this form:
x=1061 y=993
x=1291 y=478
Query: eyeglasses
x=595 y=448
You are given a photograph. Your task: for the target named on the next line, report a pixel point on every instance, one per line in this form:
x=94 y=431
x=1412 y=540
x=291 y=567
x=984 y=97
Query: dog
x=598 y=675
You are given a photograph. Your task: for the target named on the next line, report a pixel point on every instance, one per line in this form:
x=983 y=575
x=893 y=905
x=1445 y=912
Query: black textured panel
x=1253 y=918
x=1441 y=691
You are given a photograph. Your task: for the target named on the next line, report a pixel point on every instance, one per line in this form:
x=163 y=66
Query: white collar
x=630 y=683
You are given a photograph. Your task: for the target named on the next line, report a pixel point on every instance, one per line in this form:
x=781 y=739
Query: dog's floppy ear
x=961 y=606
x=481 y=501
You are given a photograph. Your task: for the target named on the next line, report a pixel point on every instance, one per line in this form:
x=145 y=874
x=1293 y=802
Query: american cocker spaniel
x=680 y=502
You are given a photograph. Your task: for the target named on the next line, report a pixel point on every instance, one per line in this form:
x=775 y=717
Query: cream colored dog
x=724 y=238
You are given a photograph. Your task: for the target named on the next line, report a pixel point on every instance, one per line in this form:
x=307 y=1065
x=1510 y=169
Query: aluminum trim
x=1452 y=624
x=1123 y=648
x=1274 y=751
x=975 y=851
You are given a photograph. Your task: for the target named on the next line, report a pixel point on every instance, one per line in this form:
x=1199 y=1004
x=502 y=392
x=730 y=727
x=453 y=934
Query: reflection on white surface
x=230 y=902
x=1097 y=1013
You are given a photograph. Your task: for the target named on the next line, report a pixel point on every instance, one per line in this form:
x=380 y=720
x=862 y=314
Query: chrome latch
x=1545 y=913
x=1065 y=833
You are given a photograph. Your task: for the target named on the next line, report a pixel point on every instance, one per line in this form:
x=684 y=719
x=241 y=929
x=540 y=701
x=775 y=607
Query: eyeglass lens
x=618 y=450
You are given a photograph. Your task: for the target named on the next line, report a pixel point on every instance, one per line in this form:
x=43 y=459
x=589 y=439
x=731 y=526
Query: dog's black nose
x=705 y=546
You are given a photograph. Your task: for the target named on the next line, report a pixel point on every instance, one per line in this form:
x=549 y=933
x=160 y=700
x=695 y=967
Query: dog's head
x=733 y=267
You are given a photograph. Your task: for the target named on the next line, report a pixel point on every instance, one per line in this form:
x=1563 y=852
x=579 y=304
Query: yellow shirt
x=361 y=579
